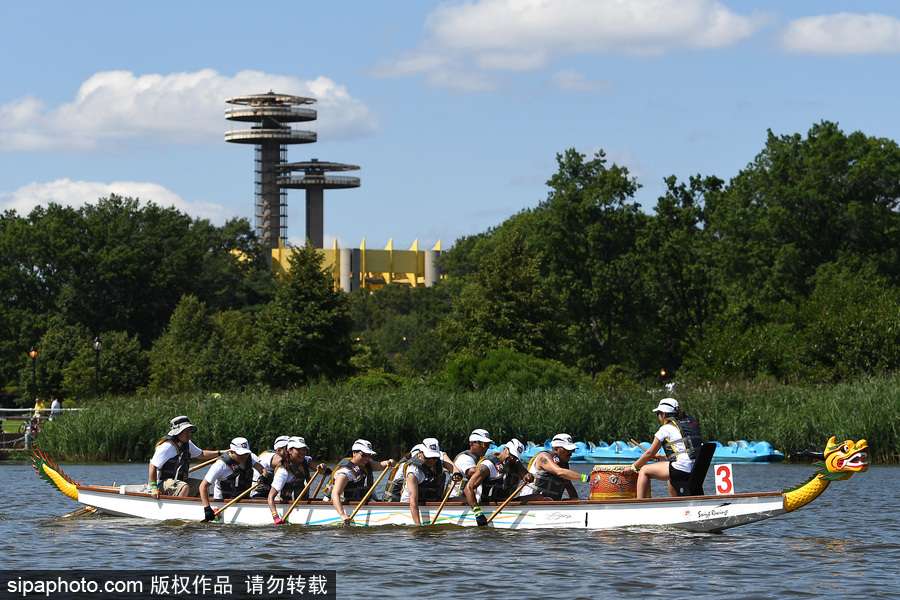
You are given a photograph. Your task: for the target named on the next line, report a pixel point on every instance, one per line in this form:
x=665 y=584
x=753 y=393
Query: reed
x=331 y=417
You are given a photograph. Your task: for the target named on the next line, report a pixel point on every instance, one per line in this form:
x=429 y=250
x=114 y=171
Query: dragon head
x=843 y=459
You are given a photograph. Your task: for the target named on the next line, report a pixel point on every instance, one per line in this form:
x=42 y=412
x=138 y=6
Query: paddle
x=203 y=464
x=443 y=502
x=638 y=444
x=81 y=512
x=368 y=494
x=502 y=506
x=235 y=501
x=316 y=493
x=300 y=495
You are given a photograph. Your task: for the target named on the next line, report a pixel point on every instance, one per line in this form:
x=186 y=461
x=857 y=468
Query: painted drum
x=611 y=483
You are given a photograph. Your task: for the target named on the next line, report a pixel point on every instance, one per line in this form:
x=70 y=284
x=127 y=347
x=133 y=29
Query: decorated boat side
x=623 y=453
x=693 y=513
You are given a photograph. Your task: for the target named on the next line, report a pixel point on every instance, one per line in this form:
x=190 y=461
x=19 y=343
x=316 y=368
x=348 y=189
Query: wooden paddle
x=300 y=495
x=502 y=506
x=638 y=444
x=316 y=493
x=203 y=464
x=369 y=493
x=443 y=502
x=81 y=512
x=235 y=501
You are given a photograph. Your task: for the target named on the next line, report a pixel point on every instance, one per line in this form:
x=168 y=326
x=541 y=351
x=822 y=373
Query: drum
x=611 y=483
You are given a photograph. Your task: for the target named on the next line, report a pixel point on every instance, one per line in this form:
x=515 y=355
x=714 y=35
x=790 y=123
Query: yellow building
x=353 y=267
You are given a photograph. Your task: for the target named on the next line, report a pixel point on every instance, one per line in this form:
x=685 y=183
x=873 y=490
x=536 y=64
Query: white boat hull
x=697 y=513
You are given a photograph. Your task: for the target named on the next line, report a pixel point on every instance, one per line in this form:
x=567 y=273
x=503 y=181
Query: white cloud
x=113 y=109
x=842 y=33
x=78 y=193
x=519 y=35
x=572 y=80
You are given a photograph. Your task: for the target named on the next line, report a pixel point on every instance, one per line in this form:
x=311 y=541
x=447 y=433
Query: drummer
x=679 y=436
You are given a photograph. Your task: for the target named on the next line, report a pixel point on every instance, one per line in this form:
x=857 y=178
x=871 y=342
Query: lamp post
x=98 y=345
x=33 y=354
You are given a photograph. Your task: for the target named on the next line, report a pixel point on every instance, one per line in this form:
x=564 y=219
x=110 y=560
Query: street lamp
x=98 y=345
x=33 y=354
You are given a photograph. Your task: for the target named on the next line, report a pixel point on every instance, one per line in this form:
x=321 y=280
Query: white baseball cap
x=416 y=449
x=431 y=448
x=667 y=405
x=281 y=441
x=240 y=446
x=301 y=443
x=564 y=441
x=364 y=446
x=481 y=435
x=515 y=447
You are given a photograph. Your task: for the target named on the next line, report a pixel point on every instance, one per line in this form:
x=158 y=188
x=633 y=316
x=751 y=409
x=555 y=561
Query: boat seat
x=694 y=484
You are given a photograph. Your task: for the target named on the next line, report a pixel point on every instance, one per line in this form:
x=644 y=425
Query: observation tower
x=272 y=115
x=313 y=179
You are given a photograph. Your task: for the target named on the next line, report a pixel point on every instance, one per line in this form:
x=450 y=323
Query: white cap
x=296 y=442
x=564 y=441
x=481 y=435
x=179 y=424
x=515 y=447
x=364 y=446
x=281 y=441
x=416 y=449
x=666 y=405
x=240 y=446
x=431 y=448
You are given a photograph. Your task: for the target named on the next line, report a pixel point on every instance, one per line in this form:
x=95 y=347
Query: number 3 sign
x=724 y=479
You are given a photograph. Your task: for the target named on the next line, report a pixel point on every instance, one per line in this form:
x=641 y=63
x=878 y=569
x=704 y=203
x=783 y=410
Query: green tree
x=588 y=231
x=176 y=356
x=304 y=333
x=121 y=368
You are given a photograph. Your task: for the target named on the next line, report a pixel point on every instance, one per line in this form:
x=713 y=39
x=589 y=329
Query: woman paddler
x=679 y=436
x=352 y=478
x=289 y=472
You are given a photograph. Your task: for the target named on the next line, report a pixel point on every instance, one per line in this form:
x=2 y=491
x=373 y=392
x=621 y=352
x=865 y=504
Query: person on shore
x=270 y=459
x=55 y=407
x=496 y=477
x=39 y=408
x=479 y=442
x=679 y=436
x=424 y=479
x=353 y=478
x=171 y=461
x=552 y=475
x=293 y=471
x=230 y=475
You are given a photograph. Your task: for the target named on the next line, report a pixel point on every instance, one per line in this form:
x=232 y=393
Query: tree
x=587 y=234
x=304 y=333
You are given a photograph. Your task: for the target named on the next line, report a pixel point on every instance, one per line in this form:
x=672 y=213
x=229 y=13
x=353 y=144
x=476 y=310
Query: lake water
x=843 y=545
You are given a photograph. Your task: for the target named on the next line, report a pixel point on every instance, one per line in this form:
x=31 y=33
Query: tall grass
x=331 y=417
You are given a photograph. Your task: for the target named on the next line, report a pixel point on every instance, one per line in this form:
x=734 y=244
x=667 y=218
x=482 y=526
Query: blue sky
x=454 y=111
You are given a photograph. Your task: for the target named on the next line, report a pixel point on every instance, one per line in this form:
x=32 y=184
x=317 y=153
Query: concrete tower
x=272 y=115
x=314 y=181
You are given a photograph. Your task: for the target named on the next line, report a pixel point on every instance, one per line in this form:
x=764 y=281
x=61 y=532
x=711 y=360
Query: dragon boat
x=620 y=452
x=701 y=513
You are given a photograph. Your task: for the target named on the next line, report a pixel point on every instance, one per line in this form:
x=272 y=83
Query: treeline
x=787 y=273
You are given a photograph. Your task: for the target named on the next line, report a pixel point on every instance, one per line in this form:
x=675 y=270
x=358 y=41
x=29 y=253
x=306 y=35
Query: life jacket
x=394 y=488
x=179 y=465
x=357 y=489
x=240 y=478
x=301 y=476
x=265 y=480
x=432 y=487
x=547 y=484
x=465 y=480
x=499 y=488
x=689 y=429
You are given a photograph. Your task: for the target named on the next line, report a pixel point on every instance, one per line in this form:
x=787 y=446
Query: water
x=842 y=545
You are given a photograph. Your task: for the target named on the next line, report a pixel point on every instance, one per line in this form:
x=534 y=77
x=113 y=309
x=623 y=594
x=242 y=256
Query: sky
x=455 y=112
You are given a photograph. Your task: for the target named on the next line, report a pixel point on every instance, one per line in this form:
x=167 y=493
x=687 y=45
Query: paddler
x=679 y=436
x=270 y=459
x=293 y=471
x=424 y=479
x=230 y=475
x=479 y=442
x=352 y=478
x=496 y=477
x=171 y=461
x=394 y=488
x=551 y=471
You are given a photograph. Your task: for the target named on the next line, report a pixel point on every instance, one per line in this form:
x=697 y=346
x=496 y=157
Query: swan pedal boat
x=692 y=513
